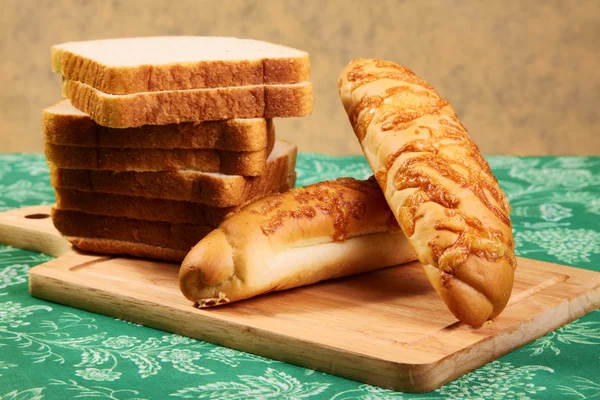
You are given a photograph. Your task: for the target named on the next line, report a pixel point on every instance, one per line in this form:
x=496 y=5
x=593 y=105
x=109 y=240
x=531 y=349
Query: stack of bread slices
x=159 y=139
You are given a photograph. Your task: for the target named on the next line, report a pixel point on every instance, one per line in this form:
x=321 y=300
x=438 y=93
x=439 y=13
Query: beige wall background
x=524 y=76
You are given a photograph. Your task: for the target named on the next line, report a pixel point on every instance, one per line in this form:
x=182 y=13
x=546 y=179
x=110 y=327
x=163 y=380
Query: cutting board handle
x=31 y=228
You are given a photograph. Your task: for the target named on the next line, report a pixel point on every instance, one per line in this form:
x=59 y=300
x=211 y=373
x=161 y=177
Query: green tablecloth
x=51 y=351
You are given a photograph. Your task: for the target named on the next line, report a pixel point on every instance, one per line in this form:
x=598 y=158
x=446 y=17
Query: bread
x=437 y=184
x=247 y=163
x=326 y=230
x=65 y=125
x=213 y=189
x=132 y=65
x=141 y=207
x=153 y=233
x=193 y=105
x=123 y=247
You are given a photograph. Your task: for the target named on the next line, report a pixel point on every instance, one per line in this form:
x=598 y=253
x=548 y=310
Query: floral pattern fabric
x=49 y=351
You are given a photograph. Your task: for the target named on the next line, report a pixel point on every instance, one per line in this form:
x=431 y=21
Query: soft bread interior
x=305 y=263
x=171 y=49
x=301 y=264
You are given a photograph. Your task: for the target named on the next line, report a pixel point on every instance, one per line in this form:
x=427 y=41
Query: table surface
x=49 y=351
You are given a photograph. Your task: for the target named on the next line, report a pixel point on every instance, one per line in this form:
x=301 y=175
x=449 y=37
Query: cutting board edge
x=488 y=348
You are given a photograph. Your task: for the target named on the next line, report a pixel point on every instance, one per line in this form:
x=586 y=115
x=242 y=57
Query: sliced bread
x=213 y=189
x=132 y=65
x=153 y=233
x=136 y=207
x=124 y=247
x=247 y=163
x=193 y=105
x=65 y=125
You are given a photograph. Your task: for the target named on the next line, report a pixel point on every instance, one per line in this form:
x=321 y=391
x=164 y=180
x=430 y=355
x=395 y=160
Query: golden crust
x=138 y=207
x=438 y=185
x=207 y=188
x=64 y=125
x=246 y=163
x=123 y=247
x=196 y=105
x=153 y=233
x=180 y=76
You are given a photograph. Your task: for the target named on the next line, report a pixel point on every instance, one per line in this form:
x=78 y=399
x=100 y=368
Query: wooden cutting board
x=386 y=328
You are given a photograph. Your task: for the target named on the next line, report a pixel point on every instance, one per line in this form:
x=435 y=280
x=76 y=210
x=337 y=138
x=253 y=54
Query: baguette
x=194 y=105
x=441 y=190
x=214 y=189
x=65 y=125
x=326 y=230
x=246 y=163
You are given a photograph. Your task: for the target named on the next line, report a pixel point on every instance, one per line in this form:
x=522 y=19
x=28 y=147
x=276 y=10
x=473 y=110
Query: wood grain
x=385 y=328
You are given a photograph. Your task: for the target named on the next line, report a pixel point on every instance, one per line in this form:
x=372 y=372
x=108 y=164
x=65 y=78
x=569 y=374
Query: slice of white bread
x=246 y=163
x=146 y=208
x=193 y=105
x=125 y=247
x=213 y=189
x=113 y=235
x=180 y=236
x=132 y=65
x=65 y=125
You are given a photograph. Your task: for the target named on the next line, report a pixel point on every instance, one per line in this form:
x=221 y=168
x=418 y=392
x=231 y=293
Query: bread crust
x=153 y=233
x=137 y=207
x=194 y=105
x=305 y=235
x=438 y=185
x=65 y=125
x=216 y=190
x=123 y=247
x=246 y=163
x=192 y=74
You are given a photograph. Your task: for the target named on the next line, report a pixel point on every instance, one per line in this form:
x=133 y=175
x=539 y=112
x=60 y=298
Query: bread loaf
x=305 y=235
x=144 y=64
x=146 y=208
x=65 y=125
x=153 y=233
x=437 y=184
x=214 y=189
x=194 y=105
x=125 y=247
x=246 y=163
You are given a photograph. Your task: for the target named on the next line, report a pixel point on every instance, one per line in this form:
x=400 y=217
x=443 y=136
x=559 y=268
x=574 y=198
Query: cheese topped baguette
x=437 y=184
x=306 y=235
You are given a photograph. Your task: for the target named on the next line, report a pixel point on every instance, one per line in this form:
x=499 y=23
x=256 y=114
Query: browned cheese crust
x=437 y=183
